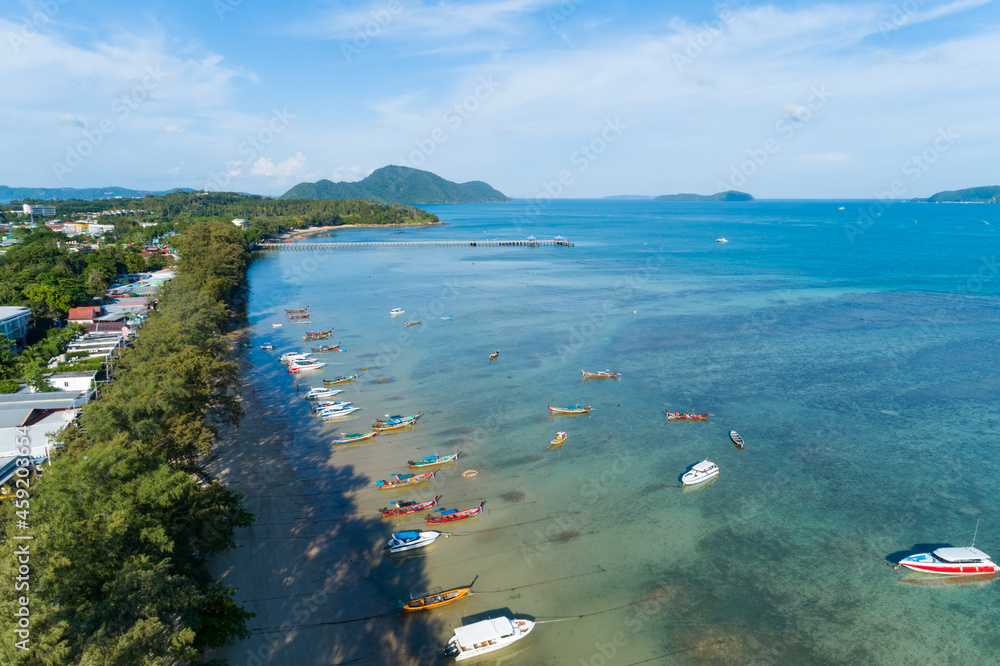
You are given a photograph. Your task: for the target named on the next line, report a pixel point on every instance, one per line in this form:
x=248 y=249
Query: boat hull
x=927 y=563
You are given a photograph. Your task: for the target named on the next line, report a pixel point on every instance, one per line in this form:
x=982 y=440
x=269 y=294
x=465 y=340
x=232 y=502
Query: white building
x=47 y=211
x=240 y=222
x=72 y=381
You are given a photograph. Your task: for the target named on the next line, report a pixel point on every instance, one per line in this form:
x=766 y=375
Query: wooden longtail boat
x=558 y=441
x=393 y=420
x=317 y=335
x=304 y=315
x=356 y=437
x=390 y=427
x=737 y=440
x=326 y=348
x=430 y=461
x=570 y=410
x=677 y=416
x=298 y=310
x=451 y=515
x=400 y=480
x=341 y=380
x=413 y=323
x=494 y=354
x=438 y=599
x=403 y=508
x=607 y=374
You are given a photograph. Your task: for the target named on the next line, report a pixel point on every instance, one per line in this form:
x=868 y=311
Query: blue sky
x=575 y=98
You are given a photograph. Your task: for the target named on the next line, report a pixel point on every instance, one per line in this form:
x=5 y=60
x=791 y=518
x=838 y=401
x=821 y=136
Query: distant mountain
x=630 y=196
x=728 y=195
x=86 y=193
x=985 y=194
x=401 y=185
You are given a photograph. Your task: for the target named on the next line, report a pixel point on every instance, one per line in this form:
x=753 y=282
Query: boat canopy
x=482 y=632
x=966 y=554
x=703 y=466
x=406 y=536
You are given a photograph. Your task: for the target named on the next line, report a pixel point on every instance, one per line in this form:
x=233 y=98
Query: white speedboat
x=721 y=240
x=288 y=357
x=402 y=541
x=478 y=638
x=964 y=561
x=395 y=312
x=324 y=406
x=700 y=472
x=267 y=346
x=322 y=392
x=302 y=366
x=276 y=325
x=337 y=413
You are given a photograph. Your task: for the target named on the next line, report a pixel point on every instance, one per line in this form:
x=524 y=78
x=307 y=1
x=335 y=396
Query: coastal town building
x=45 y=211
x=75 y=382
x=85 y=314
x=34 y=419
x=14 y=322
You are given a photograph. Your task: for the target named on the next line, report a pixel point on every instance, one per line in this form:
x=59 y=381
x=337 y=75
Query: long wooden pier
x=293 y=245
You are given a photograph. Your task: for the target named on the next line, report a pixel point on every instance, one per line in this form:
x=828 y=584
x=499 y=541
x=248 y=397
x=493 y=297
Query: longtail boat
x=437 y=599
x=302 y=322
x=326 y=348
x=393 y=420
x=606 y=374
x=558 y=441
x=297 y=310
x=400 y=480
x=317 y=335
x=494 y=355
x=403 y=508
x=356 y=437
x=570 y=409
x=389 y=427
x=413 y=323
x=304 y=315
x=677 y=416
x=430 y=461
x=451 y=515
x=341 y=380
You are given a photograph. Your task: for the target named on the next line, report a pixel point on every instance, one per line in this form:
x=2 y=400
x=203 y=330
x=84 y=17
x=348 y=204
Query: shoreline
x=296 y=234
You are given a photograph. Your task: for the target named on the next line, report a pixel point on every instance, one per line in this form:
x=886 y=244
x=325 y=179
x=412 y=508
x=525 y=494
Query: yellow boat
x=438 y=599
x=558 y=441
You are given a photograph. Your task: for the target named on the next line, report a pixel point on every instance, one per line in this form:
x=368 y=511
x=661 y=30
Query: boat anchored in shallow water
x=701 y=472
x=604 y=374
x=570 y=409
x=438 y=599
x=737 y=440
x=473 y=640
x=403 y=541
x=963 y=561
x=430 y=461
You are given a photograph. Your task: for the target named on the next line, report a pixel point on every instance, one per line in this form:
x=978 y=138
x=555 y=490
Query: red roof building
x=84 y=315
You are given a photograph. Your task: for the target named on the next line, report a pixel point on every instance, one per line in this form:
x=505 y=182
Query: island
x=728 y=195
x=985 y=194
x=400 y=185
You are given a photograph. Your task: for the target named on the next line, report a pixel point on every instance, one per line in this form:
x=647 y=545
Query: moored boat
x=326 y=348
x=963 y=561
x=297 y=310
x=395 y=312
x=400 y=480
x=392 y=420
x=438 y=599
x=403 y=508
x=451 y=515
x=737 y=440
x=328 y=404
x=341 y=380
x=678 y=416
x=320 y=392
x=296 y=367
x=558 y=441
x=317 y=335
x=700 y=472
x=606 y=374
x=570 y=409
x=355 y=437
x=390 y=427
x=478 y=638
x=403 y=541
x=413 y=323
x=276 y=325
x=267 y=346
x=336 y=413
x=430 y=461
x=304 y=315
x=288 y=357
x=494 y=354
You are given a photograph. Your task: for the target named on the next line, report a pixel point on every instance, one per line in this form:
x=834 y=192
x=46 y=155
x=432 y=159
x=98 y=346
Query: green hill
x=402 y=185
x=985 y=194
x=728 y=195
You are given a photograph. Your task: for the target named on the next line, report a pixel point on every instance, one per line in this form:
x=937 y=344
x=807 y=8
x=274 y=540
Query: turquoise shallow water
x=858 y=362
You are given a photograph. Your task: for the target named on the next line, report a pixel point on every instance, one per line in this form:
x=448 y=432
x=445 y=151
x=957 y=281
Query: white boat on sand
x=478 y=638
x=402 y=541
x=700 y=472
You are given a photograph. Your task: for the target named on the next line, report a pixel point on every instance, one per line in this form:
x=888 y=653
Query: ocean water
x=854 y=346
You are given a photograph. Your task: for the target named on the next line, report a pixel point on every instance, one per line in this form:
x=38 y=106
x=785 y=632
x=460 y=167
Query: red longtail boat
x=677 y=416
x=454 y=514
x=403 y=508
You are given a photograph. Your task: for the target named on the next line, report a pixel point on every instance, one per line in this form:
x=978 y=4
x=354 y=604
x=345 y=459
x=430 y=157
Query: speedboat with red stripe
x=964 y=561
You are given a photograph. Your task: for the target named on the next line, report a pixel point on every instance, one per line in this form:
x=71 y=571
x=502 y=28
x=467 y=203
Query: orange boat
x=412 y=323
x=438 y=599
x=607 y=374
x=570 y=410
x=677 y=416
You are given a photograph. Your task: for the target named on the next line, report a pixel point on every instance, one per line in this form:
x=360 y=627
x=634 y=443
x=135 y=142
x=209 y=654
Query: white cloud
x=174 y=129
x=175 y=170
x=294 y=168
x=350 y=174
x=71 y=119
